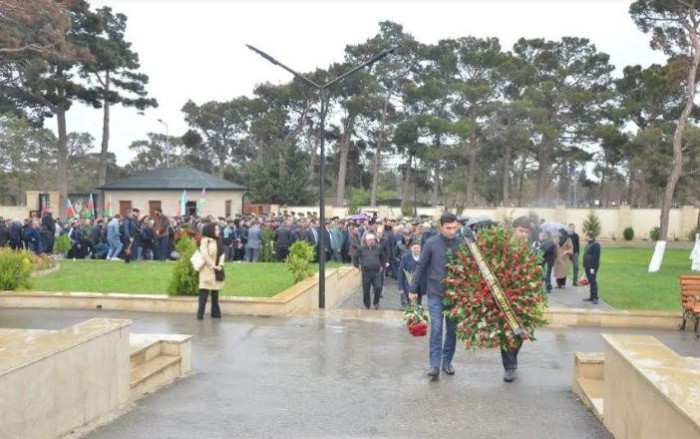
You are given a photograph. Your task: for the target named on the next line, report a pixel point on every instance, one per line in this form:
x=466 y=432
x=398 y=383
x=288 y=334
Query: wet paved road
x=327 y=378
x=569 y=297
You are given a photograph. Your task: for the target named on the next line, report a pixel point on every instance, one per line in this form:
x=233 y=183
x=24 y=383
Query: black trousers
x=371 y=279
x=215 y=310
x=510 y=358
x=592 y=283
x=282 y=252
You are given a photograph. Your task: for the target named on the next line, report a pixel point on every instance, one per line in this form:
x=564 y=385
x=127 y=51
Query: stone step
x=144 y=351
x=592 y=391
x=149 y=376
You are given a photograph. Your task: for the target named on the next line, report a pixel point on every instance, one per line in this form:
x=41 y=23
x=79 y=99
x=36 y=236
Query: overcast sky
x=195 y=49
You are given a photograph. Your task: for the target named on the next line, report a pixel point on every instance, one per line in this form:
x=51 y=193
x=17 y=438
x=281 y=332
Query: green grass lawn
x=251 y=280
x=624 y=282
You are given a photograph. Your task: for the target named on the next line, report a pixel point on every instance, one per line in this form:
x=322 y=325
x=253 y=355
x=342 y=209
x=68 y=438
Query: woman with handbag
x=211 y=276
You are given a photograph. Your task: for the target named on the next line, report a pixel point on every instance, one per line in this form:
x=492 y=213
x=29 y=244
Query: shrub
x=185 y=280
x=592 y=224
x=15 y=270
x=62 y=245
x=301 y=253
x=628 y=234
x=655 y=234
x=691 y=233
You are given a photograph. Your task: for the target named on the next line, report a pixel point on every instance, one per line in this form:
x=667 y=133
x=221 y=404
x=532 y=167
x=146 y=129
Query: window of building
x=228 y=209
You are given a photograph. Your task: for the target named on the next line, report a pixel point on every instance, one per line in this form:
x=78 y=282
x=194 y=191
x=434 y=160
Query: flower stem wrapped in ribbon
x=416 y=320
x=516 y=268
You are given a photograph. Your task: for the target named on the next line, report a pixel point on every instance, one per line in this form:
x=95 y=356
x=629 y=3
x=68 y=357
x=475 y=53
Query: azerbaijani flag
x=108 y=208
x=202 y=202
x=183 y=204
x=90 y=208
x=70 y=213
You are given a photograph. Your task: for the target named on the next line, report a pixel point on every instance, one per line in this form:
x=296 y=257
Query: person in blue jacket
x=407 y=266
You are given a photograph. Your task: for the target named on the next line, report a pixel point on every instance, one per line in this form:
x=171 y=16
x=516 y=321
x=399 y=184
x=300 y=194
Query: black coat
x=591 y=257
x=4 y=235
x=283 y=237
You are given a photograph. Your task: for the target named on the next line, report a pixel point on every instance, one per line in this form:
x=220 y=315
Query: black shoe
x=448 y=369
x=434 y=372
x=509 y=375
x=376 y=306
x=595 y=301
x=588 y=300
x=200 y=317
x=216 y=316
x=575 y=285
x=367 y=307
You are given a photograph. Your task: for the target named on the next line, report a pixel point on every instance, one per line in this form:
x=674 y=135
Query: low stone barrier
x=52 y=382
x=562 y=317
x=298 y=299
x=650 y=391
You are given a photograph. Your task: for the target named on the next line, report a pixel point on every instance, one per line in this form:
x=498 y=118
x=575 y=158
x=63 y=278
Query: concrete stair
x=589 y=379
x=158 y=360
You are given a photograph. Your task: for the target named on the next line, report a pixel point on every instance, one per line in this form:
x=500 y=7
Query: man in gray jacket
x=373 y=261
x=433 y=265
x=254 y=244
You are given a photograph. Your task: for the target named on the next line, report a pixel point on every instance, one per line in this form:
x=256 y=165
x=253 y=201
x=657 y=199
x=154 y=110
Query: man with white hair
x=373 y=259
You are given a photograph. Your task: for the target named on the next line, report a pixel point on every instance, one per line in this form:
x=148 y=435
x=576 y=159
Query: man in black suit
x=576 y=252
x=312 y=237
x=283 y=239
x=4 y=233
x=591 y=263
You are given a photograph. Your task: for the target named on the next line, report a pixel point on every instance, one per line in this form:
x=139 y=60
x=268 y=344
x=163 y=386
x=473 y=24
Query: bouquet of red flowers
x=416 y=320
x=480 y=322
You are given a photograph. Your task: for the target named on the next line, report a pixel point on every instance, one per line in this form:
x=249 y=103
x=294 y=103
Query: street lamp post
x=323 y=91
x=167 y=142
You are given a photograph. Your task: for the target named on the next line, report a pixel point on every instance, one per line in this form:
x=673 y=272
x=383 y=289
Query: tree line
x=463 y=122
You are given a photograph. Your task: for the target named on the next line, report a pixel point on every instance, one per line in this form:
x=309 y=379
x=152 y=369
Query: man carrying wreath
x=432 y=265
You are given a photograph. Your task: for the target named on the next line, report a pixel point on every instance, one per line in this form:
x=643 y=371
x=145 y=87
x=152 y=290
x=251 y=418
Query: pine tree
x=592 y=224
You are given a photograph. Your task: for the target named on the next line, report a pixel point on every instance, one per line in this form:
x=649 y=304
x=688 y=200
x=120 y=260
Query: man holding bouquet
x=432 y=268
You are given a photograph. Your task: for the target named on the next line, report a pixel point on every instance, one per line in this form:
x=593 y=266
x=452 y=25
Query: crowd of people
x=382 y=248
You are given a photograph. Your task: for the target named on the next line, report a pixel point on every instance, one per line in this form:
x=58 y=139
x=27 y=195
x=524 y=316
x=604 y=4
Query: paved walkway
x=569 y=297
x=330 y=378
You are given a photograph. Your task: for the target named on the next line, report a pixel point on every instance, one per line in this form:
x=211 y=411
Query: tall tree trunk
x=312 y=152
x=380 y=141
x=506 y=173
x=436 y=185
x=102 y=172
x=343 y=159
x=677 y=167
x=544 y=157
x=375 y=178
x=521 y=180
x=471 y=170
x=406 y=182
x=62 y=154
